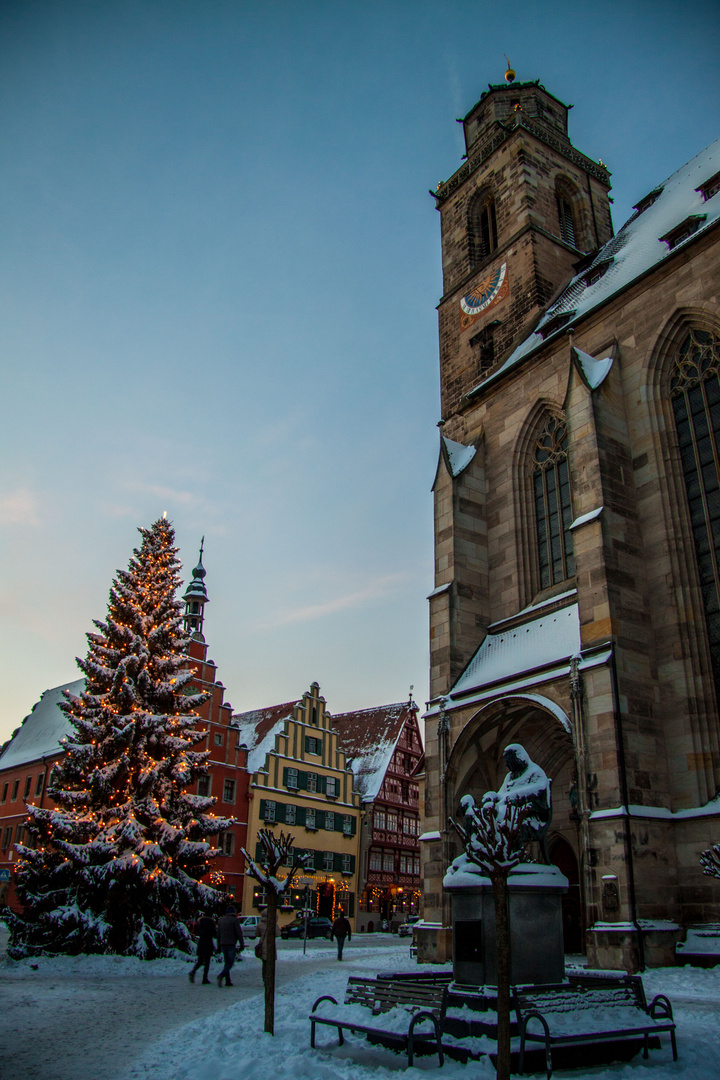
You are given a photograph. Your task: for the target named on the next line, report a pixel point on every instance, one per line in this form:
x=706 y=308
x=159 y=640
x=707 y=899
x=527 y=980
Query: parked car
x=250 y=925
x=407 y=927
x=318 y=926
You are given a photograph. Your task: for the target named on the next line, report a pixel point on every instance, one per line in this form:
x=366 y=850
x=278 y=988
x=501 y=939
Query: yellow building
x=300 y=784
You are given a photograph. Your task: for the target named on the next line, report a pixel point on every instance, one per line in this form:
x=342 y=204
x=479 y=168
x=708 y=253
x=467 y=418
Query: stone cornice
x=473 y=163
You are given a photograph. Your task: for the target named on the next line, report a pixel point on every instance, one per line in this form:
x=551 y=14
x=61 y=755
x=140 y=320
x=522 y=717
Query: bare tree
x=492 y=839
x=277 y=851
x=710 y=860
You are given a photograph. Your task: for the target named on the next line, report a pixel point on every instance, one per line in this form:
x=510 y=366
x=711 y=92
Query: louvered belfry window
x=695 y=395
x=567 y=224
x=553 y=509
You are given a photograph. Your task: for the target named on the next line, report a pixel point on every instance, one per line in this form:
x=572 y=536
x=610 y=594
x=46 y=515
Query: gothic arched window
x=553 y=509
x=482 y=227
x=569 y=212
x=695 y=396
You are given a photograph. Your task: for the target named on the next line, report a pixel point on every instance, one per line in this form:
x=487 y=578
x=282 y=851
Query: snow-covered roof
x=257 y=730
x=41 y=731
x=636 y=249
x=369 y=738
x=536 y=643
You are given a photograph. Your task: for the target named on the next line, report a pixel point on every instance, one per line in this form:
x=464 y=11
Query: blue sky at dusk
x=218 y=276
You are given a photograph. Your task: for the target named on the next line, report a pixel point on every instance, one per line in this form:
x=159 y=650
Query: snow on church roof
x=41 y=731
x=544 y=640
x=368 y=739
x=637 y=248
x=459 y=456
x=257 y=730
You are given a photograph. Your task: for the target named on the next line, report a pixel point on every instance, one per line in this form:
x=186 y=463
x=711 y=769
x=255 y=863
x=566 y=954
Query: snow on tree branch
x=277 y=851
x=710 y=860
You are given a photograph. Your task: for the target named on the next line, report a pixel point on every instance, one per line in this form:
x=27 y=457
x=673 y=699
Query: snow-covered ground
x=109 y=1018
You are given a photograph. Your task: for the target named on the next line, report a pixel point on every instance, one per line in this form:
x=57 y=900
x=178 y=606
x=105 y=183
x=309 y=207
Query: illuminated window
x=553 y=510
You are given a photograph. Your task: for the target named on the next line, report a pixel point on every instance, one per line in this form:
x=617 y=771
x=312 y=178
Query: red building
x=28 y=757
x=384 y=749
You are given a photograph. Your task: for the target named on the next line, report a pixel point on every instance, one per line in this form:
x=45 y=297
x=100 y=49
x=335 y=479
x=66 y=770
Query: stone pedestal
x=536 y=933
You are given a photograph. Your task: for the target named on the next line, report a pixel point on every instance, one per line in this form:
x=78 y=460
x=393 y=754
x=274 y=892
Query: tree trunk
x=268 y=967
x=502 y=936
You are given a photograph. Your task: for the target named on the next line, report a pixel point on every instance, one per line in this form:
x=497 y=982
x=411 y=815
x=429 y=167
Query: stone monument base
x=536 y=933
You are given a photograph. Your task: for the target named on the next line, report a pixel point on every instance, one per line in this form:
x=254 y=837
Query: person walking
x=230 y=940
x=206 y=932
x=340 y=930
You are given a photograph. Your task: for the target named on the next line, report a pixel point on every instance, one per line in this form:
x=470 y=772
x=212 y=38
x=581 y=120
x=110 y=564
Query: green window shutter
x=302 y=780
x=351 y=913
x=318 y=860
x=258 y=852
x=280 y=812
x=263 y=803
x=322 y=784
x=320 y=819
x=285 y=778
x=300 y=815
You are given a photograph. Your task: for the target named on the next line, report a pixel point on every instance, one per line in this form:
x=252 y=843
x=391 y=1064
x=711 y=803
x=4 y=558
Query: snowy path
x=109 y=1018
x=92 y=1016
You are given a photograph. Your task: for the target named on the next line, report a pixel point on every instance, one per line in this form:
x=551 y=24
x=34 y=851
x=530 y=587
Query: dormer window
x=649 y=199
x=710 y=187
x=556 y=322
x=596 y=272
x=682 y=231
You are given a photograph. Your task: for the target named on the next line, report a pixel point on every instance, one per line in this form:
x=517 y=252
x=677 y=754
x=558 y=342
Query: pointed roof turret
x=195 y=597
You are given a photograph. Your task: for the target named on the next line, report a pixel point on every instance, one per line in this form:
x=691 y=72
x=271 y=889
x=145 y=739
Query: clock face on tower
x=485 y=292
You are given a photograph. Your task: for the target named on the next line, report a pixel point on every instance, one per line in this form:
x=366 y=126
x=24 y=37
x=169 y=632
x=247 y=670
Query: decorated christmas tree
x=116 y=866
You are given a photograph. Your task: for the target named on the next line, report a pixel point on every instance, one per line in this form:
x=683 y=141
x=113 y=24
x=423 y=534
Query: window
x=710 y=187
x=379 y=819
x=290 y=814
x=19 y=833
x=7 y=837
x=312 y=781
x=553 y=511
x=229 y=791
x=392 y=821
x=331 y=787
x=310 y=818
x=28 y=782
x=695 y=396
x=649 y=199
x=204 y=786
x=330 y=820
x=416 y=864
x=328 y=860
x=269 y=814
x=218 y=739
x=347 y=825
x=347 y=861
x=16 y=785
x=565 y=216
x=292 y=779
x=403 y=864
x=409 y=826
x=375 y=860
x=39 y=784
x=682 y=231
x=226 y=843
x=482 y=227
x=312 y=745
x=388 y=862
x=5 y=791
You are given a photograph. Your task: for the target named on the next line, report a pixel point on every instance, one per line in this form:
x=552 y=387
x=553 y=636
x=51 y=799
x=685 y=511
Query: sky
x=219 y=268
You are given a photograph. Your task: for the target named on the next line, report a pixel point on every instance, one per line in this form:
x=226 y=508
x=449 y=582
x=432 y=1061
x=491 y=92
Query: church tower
x=516 y=218
x=196 y=597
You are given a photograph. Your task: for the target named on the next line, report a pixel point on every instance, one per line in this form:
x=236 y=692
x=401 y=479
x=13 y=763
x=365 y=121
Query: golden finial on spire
x=509 y=74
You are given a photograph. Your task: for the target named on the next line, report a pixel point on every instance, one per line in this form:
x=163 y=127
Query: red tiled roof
x=368 y=738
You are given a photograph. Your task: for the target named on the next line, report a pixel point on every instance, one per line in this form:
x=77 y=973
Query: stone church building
x=576 y=607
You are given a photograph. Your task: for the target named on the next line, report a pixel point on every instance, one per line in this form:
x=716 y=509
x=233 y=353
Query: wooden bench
x=590 y=1012
x=422 y=999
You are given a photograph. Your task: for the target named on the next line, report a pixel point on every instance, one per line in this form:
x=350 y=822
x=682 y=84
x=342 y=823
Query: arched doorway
x=563 y=856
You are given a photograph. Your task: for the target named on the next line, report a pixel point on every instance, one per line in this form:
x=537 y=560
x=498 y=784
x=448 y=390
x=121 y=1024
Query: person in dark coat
x=230 y=940
x=340 y=930
x=206 y=932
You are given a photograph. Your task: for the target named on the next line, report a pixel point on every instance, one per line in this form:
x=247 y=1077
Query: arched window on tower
x=567 y=208
x=482 y=227
x=695 y=396
x=553 y=508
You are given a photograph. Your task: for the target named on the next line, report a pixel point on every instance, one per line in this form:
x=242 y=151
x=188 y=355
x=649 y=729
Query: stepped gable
x=257 y=729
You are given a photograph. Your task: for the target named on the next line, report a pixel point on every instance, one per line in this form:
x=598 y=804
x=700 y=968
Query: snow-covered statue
x=525 y=785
